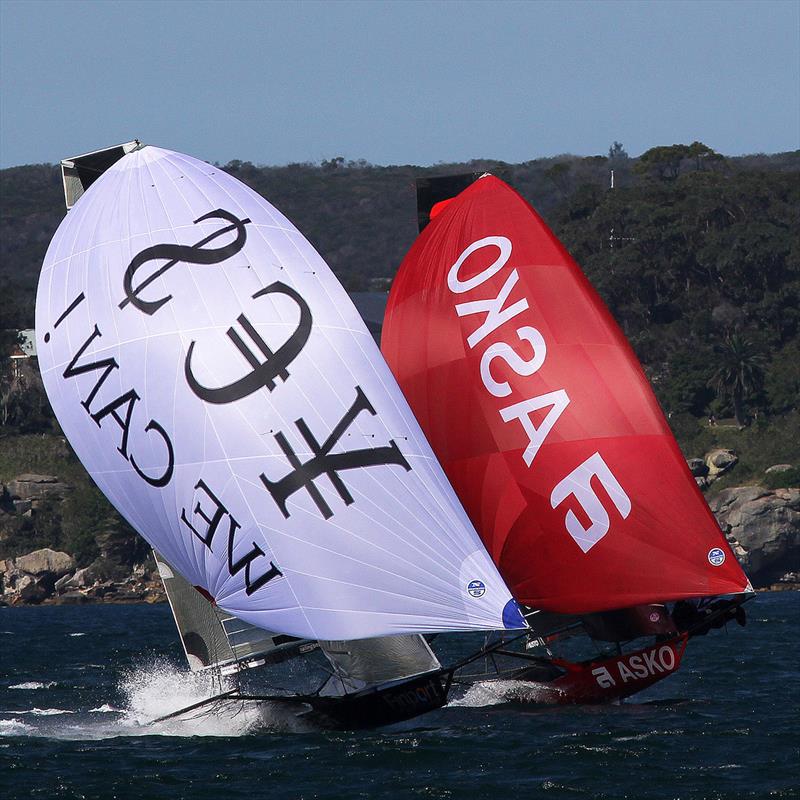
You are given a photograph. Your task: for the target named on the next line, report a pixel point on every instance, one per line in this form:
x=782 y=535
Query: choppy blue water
x=76 y=684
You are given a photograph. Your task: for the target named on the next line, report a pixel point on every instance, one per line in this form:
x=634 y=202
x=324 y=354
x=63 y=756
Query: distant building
x=22 y=352
x=370 y=305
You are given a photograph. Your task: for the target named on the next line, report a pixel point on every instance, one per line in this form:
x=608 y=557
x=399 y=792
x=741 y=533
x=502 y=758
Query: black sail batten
x=431 y=191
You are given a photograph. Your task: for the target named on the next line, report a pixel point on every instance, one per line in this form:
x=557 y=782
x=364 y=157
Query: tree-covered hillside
x=697 y=255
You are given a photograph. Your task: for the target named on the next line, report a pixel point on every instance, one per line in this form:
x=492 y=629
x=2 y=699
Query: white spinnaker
x=377 y=549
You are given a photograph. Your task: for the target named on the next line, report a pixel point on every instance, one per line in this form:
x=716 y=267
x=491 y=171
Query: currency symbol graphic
x=176 y=253
x=263 y=373
x=323 y=462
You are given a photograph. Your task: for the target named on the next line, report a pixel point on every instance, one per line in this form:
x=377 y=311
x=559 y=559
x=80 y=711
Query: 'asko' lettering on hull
x=644 y=664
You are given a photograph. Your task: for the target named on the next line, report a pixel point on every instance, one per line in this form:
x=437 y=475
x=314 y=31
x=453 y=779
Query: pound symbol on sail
x=175 y=253
x=263 y=373
x=323 y=462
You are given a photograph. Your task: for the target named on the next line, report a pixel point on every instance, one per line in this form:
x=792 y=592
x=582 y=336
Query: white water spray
x=494 y=692
x=148 y=691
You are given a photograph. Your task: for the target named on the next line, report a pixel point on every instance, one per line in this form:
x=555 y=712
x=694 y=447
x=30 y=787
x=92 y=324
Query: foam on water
x=161 y=688
x=15 y=727
x=494 y=692
x=150 y=691
x=33 y=685
x=41 y=712
x=105 y=709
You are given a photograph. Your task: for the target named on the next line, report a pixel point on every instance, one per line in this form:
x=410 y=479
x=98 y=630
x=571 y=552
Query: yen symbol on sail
x=324 y=462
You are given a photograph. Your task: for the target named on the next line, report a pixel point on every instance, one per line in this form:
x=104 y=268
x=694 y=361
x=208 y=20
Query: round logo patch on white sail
x=476 y=588
x=716 y=556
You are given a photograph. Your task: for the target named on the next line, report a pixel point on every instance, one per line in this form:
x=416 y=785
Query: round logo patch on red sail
x=716 y=556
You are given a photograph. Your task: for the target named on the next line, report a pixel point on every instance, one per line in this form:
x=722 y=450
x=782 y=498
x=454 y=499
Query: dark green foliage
x=70 y=525
x=667 y=163
x=85 y=514
x=783 y=480
x=697 y=256
x=74 y=524
x=692 y=258
x=740 y=366
x=782 y=380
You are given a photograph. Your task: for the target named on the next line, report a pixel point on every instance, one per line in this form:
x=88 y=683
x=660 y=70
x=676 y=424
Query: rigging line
x=483 y=652
x=194 y=706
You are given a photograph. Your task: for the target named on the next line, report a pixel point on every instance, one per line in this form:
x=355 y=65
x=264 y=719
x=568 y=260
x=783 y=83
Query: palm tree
x=739 y=372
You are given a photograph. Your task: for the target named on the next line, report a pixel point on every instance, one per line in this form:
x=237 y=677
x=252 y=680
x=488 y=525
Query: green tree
x=617 y=152
x=739 y=372
x=668 y=162
x=782 y=379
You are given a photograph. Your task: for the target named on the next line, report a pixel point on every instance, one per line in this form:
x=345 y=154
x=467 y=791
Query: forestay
x=217 y=383
x=551 y=434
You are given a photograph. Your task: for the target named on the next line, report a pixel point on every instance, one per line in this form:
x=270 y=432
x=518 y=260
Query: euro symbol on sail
x=263 y=373
x=176 y=253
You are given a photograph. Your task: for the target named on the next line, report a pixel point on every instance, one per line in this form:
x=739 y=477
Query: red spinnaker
x=537 y=408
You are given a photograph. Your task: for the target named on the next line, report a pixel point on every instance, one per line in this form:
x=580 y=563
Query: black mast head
x=431 y=191
x=80 y=172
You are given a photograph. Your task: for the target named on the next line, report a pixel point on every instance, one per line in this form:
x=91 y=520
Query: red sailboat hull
x=602 y=681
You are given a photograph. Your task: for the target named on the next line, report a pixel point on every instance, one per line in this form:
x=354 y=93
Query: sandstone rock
x=33 y=477
x=30 y=486
x=21 y=506
x=83 y=578
x=74 y=599
x=127 y=596
x=45 y=560
x=763 y=527
x=720 y=461
x=103 y=589
x=88 y=585
x=31 y=589
x=778 y=468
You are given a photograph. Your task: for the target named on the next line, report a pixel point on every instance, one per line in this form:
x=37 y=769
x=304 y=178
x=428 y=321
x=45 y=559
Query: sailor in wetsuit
x=699 y=620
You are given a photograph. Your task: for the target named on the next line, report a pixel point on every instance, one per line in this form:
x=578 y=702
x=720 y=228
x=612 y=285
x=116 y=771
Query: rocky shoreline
x=761 y=524
x=123 y=570
x=50 y=577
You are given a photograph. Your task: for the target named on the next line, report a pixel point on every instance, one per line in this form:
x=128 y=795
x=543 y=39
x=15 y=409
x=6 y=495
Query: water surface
x=79 y=684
